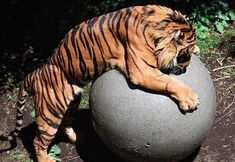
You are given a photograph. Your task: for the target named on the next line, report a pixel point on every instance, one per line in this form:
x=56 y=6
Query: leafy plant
x=104 y=6
x=54 y=152
x=85 y=97
x=12 y=97
x=31 y=107
x=9 y=79
x=202 y=30
x=18 y=155
x=211 y=13
x=32 y=114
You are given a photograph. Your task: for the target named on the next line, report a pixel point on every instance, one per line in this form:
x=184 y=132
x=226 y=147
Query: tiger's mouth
x=177 y=70
x=174 y=68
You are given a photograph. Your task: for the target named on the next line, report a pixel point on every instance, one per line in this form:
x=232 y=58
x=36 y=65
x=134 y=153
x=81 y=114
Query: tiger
x=145 y=43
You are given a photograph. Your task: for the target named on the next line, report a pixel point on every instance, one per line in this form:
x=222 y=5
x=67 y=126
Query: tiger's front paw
x=188 y=99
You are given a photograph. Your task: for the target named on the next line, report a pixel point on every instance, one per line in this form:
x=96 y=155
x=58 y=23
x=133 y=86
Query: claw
x=188 y=99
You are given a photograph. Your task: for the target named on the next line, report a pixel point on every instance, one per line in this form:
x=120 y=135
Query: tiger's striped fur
x=141 y=41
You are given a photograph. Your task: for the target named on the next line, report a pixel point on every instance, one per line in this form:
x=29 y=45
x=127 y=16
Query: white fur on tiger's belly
x=77 y=89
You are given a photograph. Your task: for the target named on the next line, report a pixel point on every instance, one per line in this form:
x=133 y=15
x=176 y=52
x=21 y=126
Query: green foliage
x=9 y=79
x=31 y=108
x=85 y=97
x=18 y=155
x=32 y=114
x=231 y=14
x=12 y=97
x=104 y=6
x=214 y=13
x=202 y=30
x=214 y=45
x=54 y=152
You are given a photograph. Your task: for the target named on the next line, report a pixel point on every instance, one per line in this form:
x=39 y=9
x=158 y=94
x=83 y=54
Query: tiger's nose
x=179 y=71
x=183 y=70
x=184 y=64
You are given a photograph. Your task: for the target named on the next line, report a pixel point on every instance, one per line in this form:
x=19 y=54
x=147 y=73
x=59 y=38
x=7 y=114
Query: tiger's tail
x=22 y=96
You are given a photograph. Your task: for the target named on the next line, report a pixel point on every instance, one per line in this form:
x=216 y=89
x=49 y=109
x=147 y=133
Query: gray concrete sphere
x=142 y=126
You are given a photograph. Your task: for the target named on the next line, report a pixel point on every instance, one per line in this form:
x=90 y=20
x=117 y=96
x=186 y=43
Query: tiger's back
x=91 y=48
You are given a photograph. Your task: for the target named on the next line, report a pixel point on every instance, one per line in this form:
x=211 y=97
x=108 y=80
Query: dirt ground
x=218 y=146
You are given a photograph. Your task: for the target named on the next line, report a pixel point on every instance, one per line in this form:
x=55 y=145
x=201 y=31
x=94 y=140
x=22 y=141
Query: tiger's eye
x=183 y=58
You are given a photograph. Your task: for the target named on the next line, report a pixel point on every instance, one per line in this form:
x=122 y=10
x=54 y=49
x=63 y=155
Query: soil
x=218 y=146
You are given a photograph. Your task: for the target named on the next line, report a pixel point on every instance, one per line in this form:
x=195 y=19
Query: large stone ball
x=142 y=126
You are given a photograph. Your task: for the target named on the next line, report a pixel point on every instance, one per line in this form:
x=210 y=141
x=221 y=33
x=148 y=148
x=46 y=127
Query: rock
x=142 y=126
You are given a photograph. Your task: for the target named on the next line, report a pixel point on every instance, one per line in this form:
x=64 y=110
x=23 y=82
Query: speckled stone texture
x=142 y=126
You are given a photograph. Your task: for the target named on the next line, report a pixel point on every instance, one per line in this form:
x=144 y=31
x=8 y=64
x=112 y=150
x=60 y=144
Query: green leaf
x=205 y=20
x=222 y=16
x=223 y=4
x=225 y=24
x=32 y=114
x=193 y=15
x=231 y=14
x=55 y=149
x=202 y=30
x=54 y=152
x=219 y=27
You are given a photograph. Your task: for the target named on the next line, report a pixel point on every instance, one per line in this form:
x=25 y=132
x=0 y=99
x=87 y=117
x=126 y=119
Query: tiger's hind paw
x=71 y=134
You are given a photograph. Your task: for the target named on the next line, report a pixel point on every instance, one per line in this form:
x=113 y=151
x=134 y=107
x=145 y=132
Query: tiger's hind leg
x=52 y=97
x=49 y=123
x=70 y=116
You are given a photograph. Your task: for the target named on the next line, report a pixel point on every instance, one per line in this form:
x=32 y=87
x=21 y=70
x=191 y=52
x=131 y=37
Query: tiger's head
x=175 y=56
x=173 y=38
